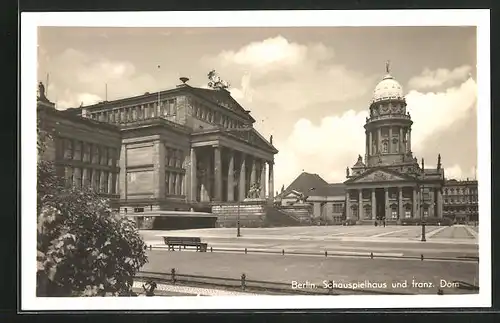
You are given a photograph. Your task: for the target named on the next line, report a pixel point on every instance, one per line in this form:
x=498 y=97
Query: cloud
x=332 y=145
x=432 y=79
x=77 y=77
x=456 y=172
x=289 y=76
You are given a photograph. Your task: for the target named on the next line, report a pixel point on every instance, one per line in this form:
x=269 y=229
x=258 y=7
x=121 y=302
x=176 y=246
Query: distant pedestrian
x=383 y=221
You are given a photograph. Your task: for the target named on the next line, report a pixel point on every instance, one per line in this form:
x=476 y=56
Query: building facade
x=85 y=152
x=390 y=183
x=179 y=149
x=460 y=200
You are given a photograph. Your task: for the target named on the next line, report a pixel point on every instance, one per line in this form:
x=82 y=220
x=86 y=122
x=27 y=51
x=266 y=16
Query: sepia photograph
x=298 y=163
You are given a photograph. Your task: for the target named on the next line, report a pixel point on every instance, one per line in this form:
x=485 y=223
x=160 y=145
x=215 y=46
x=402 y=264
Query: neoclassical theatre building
x=180 y=149
x=389 y=182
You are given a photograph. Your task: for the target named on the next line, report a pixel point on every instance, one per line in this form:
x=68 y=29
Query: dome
x=388 y=88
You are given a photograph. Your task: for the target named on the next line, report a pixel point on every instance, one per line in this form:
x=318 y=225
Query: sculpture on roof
x=41 y=92
x=271 y=139
x=347 y=172
x=215 y=82
x=387 y=67
x=439 y=161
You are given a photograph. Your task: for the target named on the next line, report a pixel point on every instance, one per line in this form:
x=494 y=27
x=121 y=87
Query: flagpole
x=159 y=110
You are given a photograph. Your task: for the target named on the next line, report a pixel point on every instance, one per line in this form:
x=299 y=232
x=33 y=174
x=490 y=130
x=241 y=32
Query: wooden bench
x=184 y=242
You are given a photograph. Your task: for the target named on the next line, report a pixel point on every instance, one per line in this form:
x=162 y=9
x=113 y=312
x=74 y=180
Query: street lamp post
x=238 y=234
x=422 y=200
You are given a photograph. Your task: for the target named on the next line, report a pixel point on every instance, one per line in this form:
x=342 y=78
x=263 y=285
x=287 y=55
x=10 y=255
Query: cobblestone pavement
x=174 y=290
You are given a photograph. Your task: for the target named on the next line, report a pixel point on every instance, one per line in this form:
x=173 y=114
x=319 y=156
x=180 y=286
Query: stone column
x=379 y=139
x=415 y=203
x=370 y=146
x=172 y=183
x=386 y=191
x=77 y=179
x=263 y=179
x=253 y=174
x=408 y=144
x=193 y=183
x=401 y=144
x=242 y=191
x=374 y=205
x=159 y=182
x=271 y=180
x=85 y=178
x=230 y=177
x=110 y=183
x=400 y=203
x=367 y=148
x=439 y=204
x=217 y=173
x=102 y=182
x=431 y=201
x=347 y=205
x=389 y=146
x=361 y=214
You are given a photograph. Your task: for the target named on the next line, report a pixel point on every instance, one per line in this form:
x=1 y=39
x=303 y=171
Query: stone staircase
x=256 y=214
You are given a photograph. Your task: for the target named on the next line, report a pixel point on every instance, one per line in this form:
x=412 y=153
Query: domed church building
x=389 y=183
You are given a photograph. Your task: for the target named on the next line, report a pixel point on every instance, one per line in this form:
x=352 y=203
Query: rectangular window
x=167 y=181
x=78 y=151
x=394 y=214
x=407 y=214
x=68 y=149
x=138 y=209
x=337 y=208
x=104 y=156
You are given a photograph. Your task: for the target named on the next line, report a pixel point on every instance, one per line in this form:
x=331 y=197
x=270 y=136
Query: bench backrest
x=182 y=239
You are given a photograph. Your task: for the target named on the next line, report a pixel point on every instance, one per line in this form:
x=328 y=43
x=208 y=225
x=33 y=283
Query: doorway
x=380 y=203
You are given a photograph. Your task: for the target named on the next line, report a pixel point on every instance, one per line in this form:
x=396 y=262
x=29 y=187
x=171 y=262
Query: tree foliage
x=83 y=247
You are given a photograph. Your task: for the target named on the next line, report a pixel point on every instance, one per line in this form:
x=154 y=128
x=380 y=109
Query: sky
x=309 y=87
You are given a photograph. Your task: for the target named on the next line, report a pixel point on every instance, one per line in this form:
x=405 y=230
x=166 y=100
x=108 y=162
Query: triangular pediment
x=292 y=195
x=380 y=175
x=253 y=137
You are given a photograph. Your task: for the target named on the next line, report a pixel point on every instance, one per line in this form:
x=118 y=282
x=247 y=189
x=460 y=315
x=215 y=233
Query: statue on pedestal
x=347 y=172
x=254 y=191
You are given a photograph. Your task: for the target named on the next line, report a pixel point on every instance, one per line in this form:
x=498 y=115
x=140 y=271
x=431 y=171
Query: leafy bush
x=84 y=249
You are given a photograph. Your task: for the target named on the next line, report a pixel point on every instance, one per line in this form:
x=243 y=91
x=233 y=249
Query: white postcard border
x=31 y=21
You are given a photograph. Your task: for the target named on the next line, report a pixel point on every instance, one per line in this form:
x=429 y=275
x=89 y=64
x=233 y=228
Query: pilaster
x=347 y=205
x=159 y=182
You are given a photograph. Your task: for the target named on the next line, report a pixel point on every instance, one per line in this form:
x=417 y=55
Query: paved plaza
x=347 y=249
x=454 y=241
